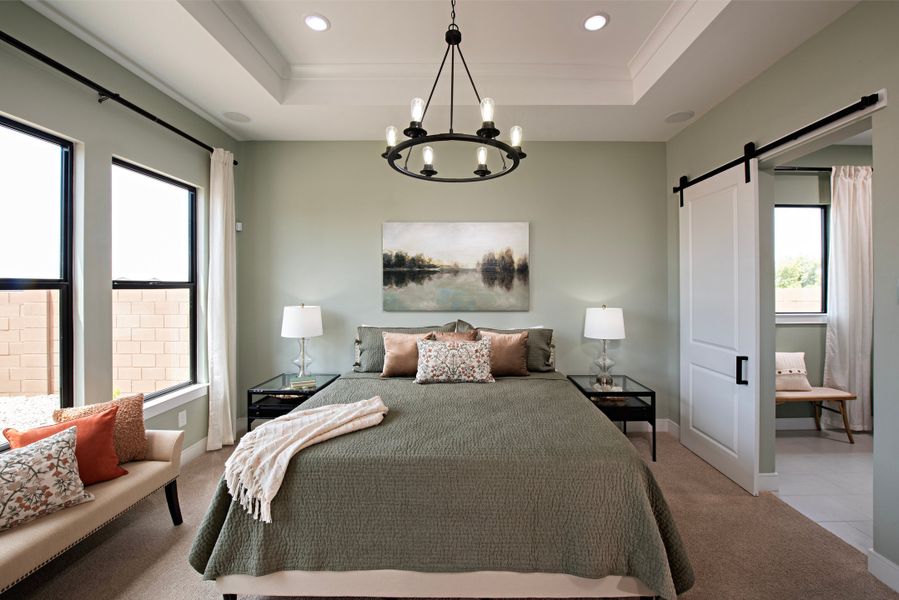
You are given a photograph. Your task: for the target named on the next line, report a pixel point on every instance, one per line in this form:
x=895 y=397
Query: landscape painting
x=456 y=266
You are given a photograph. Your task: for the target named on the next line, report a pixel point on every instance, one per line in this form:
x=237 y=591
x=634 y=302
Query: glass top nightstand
x=278 y=398
x=628 y=400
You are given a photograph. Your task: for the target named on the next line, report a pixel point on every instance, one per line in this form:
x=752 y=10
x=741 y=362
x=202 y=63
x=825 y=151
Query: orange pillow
x=401 y=353
x=94 y=450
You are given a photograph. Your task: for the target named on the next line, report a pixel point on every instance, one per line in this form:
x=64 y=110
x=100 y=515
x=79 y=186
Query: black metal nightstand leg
x=652 y=424
x=249 y=418
x=624 y=427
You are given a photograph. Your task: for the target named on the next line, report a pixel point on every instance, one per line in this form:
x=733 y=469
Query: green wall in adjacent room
x=33 y=93
x=312 y=215
x=861 y=54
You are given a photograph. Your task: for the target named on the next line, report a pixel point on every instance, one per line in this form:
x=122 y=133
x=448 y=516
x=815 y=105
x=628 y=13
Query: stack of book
x=303 y=383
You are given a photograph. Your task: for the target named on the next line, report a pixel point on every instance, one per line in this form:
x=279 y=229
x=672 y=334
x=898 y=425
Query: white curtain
x=847 y=360
x=222 y=301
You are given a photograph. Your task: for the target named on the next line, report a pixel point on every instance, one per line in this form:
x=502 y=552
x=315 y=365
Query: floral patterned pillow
x=454 y=362
x=39 y=479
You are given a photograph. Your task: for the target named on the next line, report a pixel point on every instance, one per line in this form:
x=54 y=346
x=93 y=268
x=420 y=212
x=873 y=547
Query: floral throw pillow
x=39 y=479
x=454 y=362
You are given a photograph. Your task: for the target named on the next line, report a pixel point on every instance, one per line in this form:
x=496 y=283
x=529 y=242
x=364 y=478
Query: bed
x=518 y=488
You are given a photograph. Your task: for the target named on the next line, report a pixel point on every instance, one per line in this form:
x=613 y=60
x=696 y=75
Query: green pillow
x=370 y=344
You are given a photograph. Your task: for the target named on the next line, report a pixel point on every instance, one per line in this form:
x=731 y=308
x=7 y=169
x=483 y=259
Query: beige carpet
x=741 y=547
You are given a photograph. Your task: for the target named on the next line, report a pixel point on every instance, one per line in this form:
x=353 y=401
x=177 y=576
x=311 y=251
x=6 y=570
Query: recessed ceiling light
x=237 y=117
x=596 y=22
x=680 y=117
x=317 y=23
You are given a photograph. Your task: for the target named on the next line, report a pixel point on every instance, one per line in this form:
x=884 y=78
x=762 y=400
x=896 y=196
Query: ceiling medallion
x=485 y=139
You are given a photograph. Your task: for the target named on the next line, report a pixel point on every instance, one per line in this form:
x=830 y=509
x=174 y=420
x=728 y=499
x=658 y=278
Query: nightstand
x=630 y=401
x=278 y=398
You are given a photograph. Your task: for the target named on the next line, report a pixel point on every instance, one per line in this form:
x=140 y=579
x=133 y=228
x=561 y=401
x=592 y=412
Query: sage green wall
x=861 y=54
x=312 y=215
x=804 y=188
x=33 y=93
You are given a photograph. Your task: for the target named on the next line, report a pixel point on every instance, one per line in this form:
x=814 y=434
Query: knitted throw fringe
x=256 y=468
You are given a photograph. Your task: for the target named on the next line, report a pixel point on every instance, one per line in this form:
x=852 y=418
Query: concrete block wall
x=29 y=342
x=151 y=339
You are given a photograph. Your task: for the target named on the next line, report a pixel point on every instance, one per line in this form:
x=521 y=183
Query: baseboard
x=794 y=423
x=883 y=569
x=194 y=451
x=767 y=482
x=666 y=425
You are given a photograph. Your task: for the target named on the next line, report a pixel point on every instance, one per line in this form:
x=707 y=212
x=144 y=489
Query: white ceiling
x=546 y=72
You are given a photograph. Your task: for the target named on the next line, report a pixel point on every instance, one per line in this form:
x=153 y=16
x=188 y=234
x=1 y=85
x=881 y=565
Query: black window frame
x=825 y=252
x=191 y=284
x=64 y=283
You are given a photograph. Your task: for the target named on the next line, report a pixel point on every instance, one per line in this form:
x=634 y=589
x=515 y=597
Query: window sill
x=801 y=319
x=172 y=400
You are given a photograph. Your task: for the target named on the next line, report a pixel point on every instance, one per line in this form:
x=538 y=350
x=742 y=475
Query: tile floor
x=830 y=481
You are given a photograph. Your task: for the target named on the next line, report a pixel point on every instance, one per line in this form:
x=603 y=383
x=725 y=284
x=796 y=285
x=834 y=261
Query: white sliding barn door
x=719 y=323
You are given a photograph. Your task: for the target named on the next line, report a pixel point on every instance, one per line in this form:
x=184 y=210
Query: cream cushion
x=791 y=374
x=25 y=548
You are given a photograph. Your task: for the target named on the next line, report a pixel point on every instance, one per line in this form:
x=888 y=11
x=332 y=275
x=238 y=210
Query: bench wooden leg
x=171 y=497
x=846 y=421
x=817 y=407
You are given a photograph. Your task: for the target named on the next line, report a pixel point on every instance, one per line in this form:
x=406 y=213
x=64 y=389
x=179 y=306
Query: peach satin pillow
x=94 y=449
x=401 y=353
x=456 y=336
x=509 y=356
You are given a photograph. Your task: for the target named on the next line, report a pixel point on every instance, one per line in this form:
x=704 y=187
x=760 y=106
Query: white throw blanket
x=256 y=468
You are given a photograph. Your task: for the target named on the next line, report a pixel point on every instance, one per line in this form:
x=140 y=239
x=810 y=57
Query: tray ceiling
x=546 y=72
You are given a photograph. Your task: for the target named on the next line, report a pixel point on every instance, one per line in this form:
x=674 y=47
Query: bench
x=26 y=548
x=817 y=397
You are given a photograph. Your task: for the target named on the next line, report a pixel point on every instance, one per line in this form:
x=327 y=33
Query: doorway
x=826 y=474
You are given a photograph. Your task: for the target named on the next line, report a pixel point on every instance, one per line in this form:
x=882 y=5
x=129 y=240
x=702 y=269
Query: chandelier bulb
x=482 y=155
x=418 y=110
x=391 y=136
x=488 y=107
x=427 y=154
x=515 y=134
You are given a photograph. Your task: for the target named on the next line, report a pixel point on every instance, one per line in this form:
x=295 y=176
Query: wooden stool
x=817 y=397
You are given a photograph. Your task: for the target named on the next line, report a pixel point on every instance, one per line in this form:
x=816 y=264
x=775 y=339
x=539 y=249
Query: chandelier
x=485 y=140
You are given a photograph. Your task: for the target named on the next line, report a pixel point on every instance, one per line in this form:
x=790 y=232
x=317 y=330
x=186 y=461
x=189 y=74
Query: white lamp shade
x=604 y=324
x=301 y=321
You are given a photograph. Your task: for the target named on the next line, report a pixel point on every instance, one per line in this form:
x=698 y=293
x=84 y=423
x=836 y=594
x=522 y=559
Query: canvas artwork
x=456 y=266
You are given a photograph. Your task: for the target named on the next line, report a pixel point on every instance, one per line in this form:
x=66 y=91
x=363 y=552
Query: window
x=800 y=258
x=154 y=287
x=35 y=275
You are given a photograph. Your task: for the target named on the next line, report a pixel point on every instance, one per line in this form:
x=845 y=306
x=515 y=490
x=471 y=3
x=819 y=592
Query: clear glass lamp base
x=302 y=361
x=604 y=365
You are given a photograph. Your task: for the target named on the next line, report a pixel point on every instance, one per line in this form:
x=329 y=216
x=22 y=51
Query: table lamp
x=604 y=324
x=302 y=322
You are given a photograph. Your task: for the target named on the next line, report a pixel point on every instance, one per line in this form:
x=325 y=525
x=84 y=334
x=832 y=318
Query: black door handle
x=741 y=360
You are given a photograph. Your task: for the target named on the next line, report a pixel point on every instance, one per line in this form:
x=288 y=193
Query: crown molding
x=91 y=40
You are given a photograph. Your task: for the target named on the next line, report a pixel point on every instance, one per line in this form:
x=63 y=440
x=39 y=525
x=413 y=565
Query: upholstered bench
x=26 y=548
x=817 y=396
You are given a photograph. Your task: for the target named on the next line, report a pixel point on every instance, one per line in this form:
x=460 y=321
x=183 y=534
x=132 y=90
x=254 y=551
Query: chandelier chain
x=453 y=11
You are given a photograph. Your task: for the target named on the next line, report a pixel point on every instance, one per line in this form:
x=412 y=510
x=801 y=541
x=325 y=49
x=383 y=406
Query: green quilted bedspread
x=519 y=475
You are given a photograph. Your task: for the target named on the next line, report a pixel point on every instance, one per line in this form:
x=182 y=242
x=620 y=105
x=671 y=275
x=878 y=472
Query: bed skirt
x=389 y=583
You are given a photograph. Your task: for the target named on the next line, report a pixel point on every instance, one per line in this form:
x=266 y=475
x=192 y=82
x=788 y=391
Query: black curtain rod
x=750 y=151
x=788 y=169
x=104 y=93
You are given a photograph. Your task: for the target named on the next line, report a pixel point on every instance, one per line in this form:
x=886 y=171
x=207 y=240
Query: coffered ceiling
x=544 y=69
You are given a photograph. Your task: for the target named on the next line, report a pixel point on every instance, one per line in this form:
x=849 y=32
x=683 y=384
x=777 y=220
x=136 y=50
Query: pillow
x=456 y=336
x=401 y=353
x=540 y=350
x=791 y=373
x=509 y=353
x=39 y=479
x=453 y=362
x=370 y=344
x=129 y=436
x=97 y=459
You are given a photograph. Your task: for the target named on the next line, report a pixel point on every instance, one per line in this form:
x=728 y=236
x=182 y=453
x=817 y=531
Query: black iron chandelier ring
x=398 y=154
x=395 y=155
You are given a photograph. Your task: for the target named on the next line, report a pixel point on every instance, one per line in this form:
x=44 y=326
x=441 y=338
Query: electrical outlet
x=239 y=226
x=182 y=418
